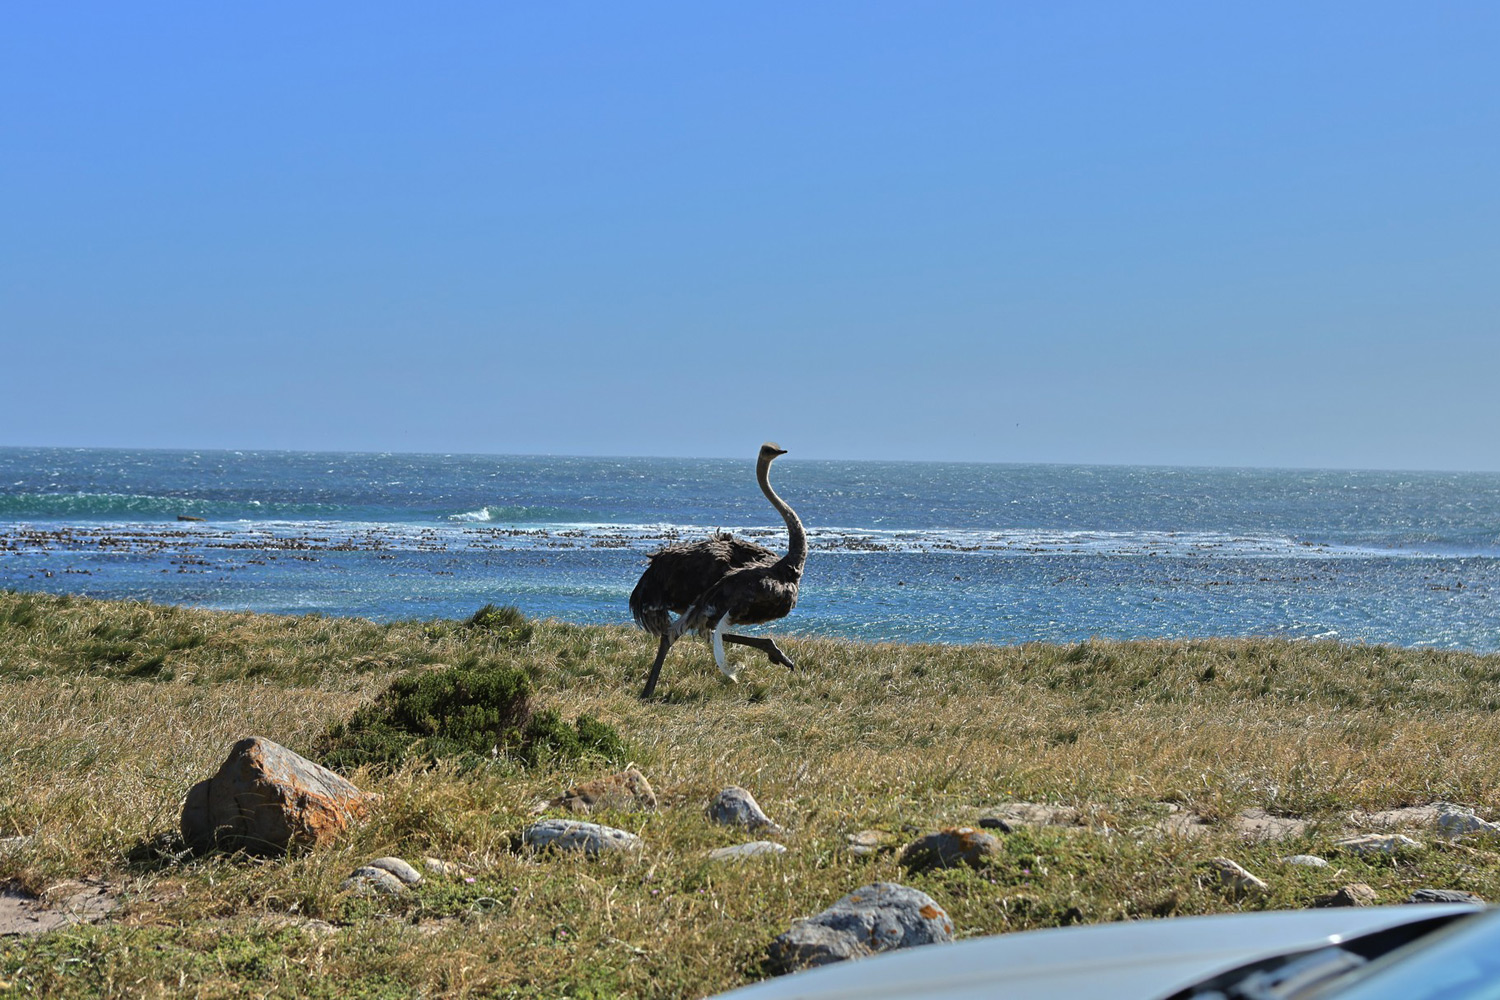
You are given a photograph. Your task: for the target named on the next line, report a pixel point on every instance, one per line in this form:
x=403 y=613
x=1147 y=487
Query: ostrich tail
x=648 y=607
x=657 y=621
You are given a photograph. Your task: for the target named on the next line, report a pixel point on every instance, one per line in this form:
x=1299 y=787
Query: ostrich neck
x=796 y=538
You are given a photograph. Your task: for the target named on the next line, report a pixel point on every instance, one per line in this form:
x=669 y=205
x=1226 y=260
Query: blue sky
x=1173 y=233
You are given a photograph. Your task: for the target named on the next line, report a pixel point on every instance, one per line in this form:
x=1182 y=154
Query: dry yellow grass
x=108 y=712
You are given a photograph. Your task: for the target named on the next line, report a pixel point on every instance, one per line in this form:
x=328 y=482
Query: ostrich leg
x=717 y=637
x=661 y=654
x=765 y=645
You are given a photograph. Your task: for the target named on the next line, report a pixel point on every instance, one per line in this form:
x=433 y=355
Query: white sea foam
x=475 y=531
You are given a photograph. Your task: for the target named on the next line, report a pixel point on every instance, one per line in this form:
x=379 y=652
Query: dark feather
x=681 y=573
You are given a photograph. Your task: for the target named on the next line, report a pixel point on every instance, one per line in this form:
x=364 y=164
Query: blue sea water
x=899 y=551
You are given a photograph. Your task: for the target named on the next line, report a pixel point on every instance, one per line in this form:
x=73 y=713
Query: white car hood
x=1135 y=960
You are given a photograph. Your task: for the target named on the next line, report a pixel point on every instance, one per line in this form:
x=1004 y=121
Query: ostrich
x=721 y=581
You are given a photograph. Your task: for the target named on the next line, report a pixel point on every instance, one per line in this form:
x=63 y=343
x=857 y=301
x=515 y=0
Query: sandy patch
x=60 y=906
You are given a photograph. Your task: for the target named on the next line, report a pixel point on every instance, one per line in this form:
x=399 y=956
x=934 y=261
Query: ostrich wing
x=679 y=574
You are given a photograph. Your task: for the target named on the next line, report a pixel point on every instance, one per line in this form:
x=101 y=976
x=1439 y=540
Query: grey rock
x=1353 y=894
x=399 y=868
x=573 y=835
x=735 y=806
x=1458 y=821
x=12 y=845
x=265 y=799
x=1308 y=860
x=1443 y=896
x=950 y=848
x=879 y=917
x=1377 y=843
x=754 y=849
x=369 y=880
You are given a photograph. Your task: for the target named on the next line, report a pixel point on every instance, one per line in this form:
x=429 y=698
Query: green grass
x=109 y=711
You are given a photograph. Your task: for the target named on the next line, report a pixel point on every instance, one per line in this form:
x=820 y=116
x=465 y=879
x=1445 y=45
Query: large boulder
x=950 y=848
x=266 y=799
x=878 y=917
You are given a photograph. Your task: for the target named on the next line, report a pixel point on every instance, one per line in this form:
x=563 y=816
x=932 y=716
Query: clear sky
x=1157 y=232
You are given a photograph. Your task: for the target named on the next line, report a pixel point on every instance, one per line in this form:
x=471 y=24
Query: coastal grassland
x=110 y=710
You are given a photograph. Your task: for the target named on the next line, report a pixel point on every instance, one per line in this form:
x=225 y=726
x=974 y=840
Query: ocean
x=906 y=551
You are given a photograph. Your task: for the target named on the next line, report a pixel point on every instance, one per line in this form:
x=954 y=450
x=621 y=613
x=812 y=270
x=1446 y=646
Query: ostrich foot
x=768 y=646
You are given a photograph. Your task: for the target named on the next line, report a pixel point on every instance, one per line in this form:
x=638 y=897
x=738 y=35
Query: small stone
x=879 y=917
x=437 y=866
x=754 y=849
x=368 y=881
x=574 y=835
x=11 y=845
x=867 y=842
x=949 y=848
x=1235 y=878
x=1377 y=843
x=399 y=868
x=1457 y=821
x=265 y=799
x=1309 y=860
x=735 y=806
x=625 y=792
x=1443 y=896
x=1353 y=894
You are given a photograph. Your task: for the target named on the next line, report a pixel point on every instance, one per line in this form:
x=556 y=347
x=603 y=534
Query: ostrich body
x=722 y=581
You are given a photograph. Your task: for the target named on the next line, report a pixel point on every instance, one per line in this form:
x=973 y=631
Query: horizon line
x=790 y=456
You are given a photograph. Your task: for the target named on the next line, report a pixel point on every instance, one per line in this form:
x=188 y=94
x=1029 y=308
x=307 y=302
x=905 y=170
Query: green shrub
x=506 y=624
x=478 y=712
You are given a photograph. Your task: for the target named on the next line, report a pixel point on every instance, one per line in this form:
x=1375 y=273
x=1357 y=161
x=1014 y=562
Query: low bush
x=478 y=712
x=507 y=624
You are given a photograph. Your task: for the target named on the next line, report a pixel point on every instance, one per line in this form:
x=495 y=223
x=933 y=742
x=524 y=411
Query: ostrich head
x=769 y=451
